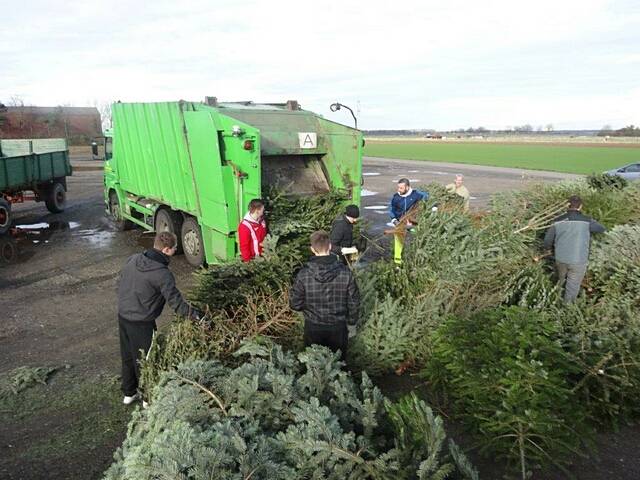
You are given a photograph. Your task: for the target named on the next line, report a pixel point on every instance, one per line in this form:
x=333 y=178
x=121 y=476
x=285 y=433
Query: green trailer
x=192 y=168
x=31 y=176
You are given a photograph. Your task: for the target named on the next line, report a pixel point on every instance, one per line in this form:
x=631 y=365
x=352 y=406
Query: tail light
x=248 y=145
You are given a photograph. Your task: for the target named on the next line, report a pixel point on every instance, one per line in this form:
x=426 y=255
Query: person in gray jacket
x=570 y=237
x=146 y=283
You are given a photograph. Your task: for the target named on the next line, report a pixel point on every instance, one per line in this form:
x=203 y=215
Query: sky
x=574 y=64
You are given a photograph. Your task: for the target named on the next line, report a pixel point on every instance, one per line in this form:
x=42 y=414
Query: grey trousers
x=571 y=275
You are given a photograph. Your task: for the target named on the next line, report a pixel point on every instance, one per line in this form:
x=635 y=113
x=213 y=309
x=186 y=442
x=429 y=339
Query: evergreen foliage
x=602 y=340
x=604 y=181
x=21 y=378
x=474 y=307
x=280 y=416
x=615 y=265
x=245 y=300
x=505 y=372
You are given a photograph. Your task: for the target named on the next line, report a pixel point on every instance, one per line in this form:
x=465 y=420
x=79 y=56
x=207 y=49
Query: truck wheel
x=192 y=242
x=8 y=250
x=5 y=216
x=120 y=223
x=56 y=198
x=168 y=220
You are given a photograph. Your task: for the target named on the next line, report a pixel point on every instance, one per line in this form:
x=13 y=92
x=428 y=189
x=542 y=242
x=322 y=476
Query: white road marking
x=376 y=207
x=367 y=193
x=370 y=174
x=33 y=226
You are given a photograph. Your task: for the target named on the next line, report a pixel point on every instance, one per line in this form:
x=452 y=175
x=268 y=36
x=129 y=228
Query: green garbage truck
x=192 y=168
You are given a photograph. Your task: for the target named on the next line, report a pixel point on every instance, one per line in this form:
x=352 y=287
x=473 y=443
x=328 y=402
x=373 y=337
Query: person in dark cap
x=341 y=235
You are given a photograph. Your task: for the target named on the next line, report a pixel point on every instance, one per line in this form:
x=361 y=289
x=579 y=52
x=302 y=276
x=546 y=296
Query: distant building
x=77 y=124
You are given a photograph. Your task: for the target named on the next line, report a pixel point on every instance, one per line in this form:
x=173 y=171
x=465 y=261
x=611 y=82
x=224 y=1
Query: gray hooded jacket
x=570 y=236
x=146 y=283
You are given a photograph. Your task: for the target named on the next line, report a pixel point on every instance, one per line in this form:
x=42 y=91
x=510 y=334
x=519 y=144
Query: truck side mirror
x=94 y=149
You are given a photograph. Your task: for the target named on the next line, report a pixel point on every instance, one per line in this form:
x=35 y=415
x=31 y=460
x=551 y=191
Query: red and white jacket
x=250 y=236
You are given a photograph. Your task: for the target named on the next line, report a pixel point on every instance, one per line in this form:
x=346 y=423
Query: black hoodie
x=326 y=292
x=145 y=284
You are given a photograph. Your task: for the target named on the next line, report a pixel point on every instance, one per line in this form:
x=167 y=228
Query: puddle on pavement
x=20 y=244
x=95 y=236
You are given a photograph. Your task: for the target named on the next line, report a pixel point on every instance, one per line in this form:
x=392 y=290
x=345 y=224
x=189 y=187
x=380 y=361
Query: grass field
x=552 y=157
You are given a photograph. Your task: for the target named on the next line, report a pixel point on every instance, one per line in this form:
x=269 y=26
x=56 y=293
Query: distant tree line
x=628 y=131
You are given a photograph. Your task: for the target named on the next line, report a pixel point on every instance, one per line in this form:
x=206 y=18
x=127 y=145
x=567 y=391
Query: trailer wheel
x=56 y=198
x=120 y=223
x=168 y=220
x=192 y=242
x=5 y=216
x=8 y=250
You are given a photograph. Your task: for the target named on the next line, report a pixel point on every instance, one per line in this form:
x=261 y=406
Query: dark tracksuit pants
x=134 y=336
x=334 y=337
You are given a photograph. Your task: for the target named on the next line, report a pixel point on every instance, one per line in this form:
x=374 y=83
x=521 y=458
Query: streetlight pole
x=337 y=106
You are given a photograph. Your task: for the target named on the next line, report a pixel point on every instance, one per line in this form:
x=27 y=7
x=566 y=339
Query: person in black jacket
x=341 y=235
x=146 y=283
x=327 y=294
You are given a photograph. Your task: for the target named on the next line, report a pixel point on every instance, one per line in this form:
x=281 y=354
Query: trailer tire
x=192 y=242
x=168 y=220
x=5 y=216
x=120 y=223
x=8 y=250
x=56 y=198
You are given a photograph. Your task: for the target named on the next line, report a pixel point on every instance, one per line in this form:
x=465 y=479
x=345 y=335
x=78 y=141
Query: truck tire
x=5 y=216
x=8 y=250
x=192 y=242
x=168 y=220
x=56 y=198
x=120 y=223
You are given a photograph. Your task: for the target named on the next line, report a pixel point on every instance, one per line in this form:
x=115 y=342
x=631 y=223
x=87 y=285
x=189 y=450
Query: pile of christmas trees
x=282 y=416
x=245 y=300
x=476 y=309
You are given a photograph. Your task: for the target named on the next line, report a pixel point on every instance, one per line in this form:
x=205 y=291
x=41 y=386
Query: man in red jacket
x=252 y=230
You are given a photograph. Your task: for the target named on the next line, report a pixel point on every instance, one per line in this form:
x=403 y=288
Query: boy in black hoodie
x=145 y=285
x=326 y=293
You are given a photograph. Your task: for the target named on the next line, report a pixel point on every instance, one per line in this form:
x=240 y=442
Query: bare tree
x=104 y=108
x=17 y=102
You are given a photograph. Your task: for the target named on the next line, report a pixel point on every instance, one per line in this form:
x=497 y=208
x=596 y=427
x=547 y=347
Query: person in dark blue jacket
x=405 y=198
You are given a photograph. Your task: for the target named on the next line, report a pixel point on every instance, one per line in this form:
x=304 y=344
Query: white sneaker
x=145 y=405
x=128 y=400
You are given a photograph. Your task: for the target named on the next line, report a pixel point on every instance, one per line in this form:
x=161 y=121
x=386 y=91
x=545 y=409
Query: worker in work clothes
x=402 y=201
x=252 y=231
x=459 y=189
x=145 y=285
x=341 y=235
x=326 y=292
x=570 y=237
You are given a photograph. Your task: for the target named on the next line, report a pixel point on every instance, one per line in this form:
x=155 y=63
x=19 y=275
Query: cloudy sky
x=402 y=64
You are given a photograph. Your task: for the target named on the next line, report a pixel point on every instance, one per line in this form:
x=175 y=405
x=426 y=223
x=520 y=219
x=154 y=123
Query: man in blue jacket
x=405 y=198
